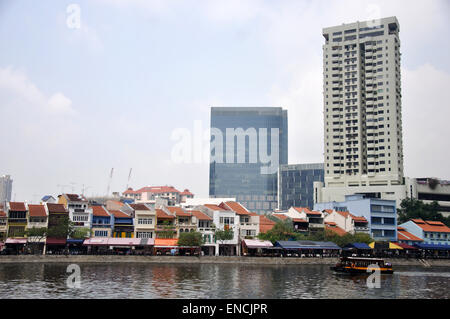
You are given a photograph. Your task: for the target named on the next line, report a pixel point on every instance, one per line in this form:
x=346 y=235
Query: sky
x=87 y=86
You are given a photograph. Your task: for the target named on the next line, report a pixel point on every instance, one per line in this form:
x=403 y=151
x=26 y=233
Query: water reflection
x=215 y=281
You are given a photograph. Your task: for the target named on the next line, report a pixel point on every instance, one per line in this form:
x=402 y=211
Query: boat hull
x=358 y=271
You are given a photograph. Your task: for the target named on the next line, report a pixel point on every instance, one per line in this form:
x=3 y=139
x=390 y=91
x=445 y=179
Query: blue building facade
x=381 y=214
x=295 y=185
x=247 y=146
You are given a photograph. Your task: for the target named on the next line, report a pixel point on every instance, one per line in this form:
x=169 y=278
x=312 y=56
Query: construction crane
x=109 y=183
x=129 y=177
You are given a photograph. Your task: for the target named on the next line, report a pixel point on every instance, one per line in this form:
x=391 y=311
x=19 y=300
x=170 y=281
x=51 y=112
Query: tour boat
x=359 y=265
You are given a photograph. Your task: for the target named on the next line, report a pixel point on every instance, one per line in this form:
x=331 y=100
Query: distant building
x=5 y=188
x=430 y=189
x=405 y=237
x=296 y=184
x=3 y=225
x=48 y=199
x=348 y=222
x=431 y=232
x=247 y=146
x=380 y=214
x=150 y=194
x=102 y=222
x=17 y=219
x=79 y=211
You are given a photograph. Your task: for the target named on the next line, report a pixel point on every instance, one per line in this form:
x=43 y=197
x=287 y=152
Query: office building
x=247 y=146
x=381 y=215
x=295 y=185
x=5 y=188
x=362 y=111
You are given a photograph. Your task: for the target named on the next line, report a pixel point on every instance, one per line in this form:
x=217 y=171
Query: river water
x=139 y=280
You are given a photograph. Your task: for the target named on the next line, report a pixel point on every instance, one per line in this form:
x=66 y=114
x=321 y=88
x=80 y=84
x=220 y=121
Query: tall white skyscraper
x=5 y=188
x=363 y=146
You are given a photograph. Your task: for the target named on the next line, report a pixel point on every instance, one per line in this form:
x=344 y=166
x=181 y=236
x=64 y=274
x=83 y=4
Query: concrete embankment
x=203 y=260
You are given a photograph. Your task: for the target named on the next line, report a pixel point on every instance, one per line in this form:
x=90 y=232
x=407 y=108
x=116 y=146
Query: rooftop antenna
x=84 y=189
x=62 y=187
x=109 y=183
x=129 y=177
x=73 y=186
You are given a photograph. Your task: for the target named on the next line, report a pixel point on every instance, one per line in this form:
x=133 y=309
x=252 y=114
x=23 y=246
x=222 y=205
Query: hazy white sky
x=76 y=102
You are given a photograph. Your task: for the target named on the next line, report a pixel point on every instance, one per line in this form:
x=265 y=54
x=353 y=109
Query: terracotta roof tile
x=139 y=207
x=17 y=207
x=236 y=207
x=280 y=216
x=178 y=211
x=402 y=234
x=37 y=211
x=336 y=229
x=56 y=208
x=162 y=215
x=119 y=214
x=432 y=226
x=2 y=213
x=153 y=189
x=200 y=215
x=265 y=224
x=99 y=211
x=213 y=207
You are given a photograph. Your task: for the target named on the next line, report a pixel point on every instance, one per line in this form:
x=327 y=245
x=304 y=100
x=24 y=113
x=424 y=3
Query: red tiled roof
x=402 y=234
x=329 y=211
x=99 y=211
x=307 y=211
x=162 y=215
x=74 y=198
x=336 y=229
x=139 y=207
x=186 y=192
x=265 y=224
x=2 y=213
x=213 y=207
x=299 y=220
x=330 y=223
x=355 y=218
x=17 y=207
x=37 y=211
x=178 y=211
x=236 y=207
x=280 y=216
x=56 y=208
x=153 y=189
x=431 y=226
x=119 y=214
x=200 y=215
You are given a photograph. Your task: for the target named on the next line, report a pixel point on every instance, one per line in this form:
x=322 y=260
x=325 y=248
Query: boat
x=360 y=265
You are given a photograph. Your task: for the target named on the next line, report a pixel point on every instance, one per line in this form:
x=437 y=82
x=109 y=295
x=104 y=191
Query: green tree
x=223 y=235
x=411 y=208
x=61 y=227
x=168 y=230
x=190 y=239
x=80 y=233
x=282 y=230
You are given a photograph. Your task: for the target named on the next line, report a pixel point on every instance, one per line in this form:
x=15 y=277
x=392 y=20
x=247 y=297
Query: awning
x=96 y=241
x=253 y=243
x=318 y=245
x=405 y=246
x=75 y=241
x=288 y=244
x=16 y=241
x=147 y=242
x=56 y=241
x=126 y=242
x=358 y=246
x=394 y=246
x=433 y=246
x=166 y=243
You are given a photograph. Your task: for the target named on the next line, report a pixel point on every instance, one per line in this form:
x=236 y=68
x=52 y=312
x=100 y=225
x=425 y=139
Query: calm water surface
x=215 y=281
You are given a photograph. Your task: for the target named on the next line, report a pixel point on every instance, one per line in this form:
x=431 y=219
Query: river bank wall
x=203 y=260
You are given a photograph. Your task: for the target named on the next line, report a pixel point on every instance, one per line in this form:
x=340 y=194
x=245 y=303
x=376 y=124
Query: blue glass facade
x=296 y=185
x=242 y=170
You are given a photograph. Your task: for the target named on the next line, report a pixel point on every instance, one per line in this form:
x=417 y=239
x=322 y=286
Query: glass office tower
x=296 y=185
x=247 y=146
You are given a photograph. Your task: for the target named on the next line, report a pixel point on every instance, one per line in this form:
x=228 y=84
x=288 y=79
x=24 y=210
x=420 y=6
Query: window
x=227 y=220
x=144 y=234
x=101 y=233
x=145 y=221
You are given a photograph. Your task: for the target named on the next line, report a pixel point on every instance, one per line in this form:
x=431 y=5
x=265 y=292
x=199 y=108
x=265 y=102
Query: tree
x=411 y=208
x=35 y=237
x=61 y=227
x=223 y=235
x=282 y=230
x=190 y=239
x=80 y=233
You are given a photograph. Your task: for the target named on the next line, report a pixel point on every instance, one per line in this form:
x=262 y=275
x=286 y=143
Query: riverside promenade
x=108 y=259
